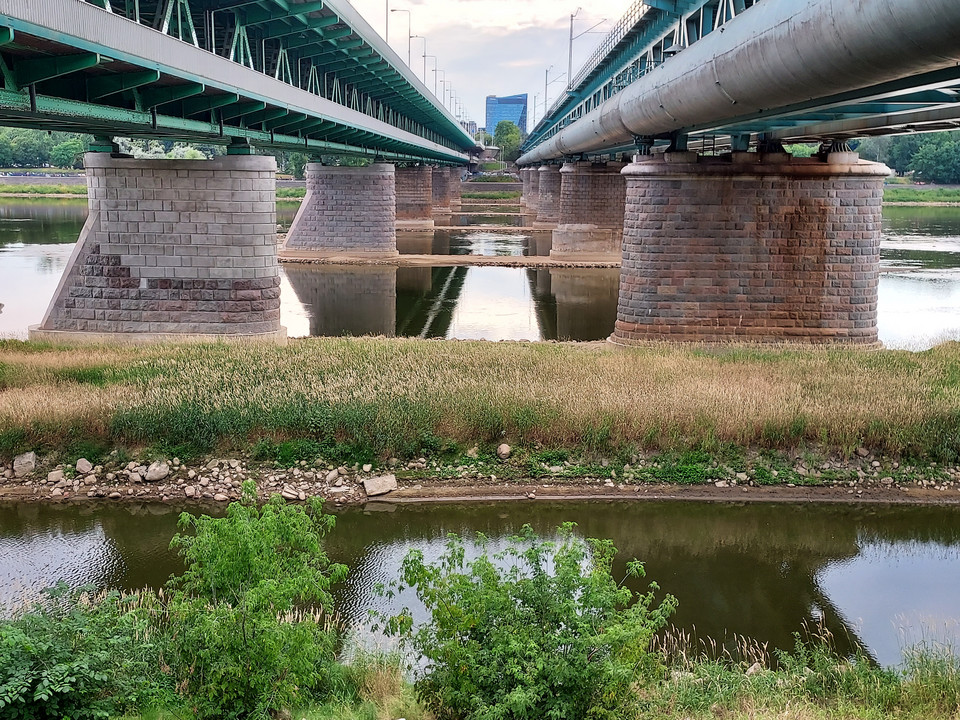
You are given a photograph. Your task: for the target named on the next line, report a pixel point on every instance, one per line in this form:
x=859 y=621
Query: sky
x=495 y=47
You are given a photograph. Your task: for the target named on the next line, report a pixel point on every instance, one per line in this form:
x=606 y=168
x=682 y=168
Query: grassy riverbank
x=369 y=399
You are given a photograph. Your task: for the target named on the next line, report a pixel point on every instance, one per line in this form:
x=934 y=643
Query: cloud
x=494 y=47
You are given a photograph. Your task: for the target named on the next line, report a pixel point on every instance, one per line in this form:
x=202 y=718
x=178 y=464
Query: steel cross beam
x=87 y=64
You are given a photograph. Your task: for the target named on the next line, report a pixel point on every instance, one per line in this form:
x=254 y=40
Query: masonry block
x=548 y=198
x=716 y=250
x=347 y=210
x=415 y=197
x=134 y=276
x=590 y=212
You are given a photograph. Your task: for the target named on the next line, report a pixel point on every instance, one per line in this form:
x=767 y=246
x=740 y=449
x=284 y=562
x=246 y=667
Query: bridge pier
x=548 y=197
x=442 y=194
x=415 y=198
x=590 y=213
x=750 y=247
x=533 y=190
x=346 y=210
x=172 y=250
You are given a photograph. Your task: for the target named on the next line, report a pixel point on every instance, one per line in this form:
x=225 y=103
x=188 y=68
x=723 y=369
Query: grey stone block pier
x=172 y=250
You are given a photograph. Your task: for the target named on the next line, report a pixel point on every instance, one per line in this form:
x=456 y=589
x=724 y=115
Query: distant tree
x=507 y=137
x=901 y=152
x=67 y=155
x=938 y=162
x=484 y=137
x=876 y=149
x=801 y=150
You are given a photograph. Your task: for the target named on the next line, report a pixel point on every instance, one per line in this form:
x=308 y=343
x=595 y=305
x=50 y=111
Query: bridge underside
x=305 y=76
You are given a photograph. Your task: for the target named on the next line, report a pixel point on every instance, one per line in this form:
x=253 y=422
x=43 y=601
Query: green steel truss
x=55 y=80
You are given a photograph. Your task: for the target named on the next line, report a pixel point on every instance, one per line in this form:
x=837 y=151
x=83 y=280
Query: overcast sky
x=494 y=47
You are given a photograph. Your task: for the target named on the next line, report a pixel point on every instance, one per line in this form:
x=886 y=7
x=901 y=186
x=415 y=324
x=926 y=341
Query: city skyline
x=502 y=47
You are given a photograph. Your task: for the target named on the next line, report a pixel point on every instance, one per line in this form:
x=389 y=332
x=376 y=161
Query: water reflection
x=919 y=293
x=758 y=570
x=455 y=302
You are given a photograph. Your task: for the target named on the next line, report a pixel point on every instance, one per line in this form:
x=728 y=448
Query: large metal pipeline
x=776 y=54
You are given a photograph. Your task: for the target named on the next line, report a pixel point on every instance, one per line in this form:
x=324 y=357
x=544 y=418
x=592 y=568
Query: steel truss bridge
x=729 y=73
x=299 y=75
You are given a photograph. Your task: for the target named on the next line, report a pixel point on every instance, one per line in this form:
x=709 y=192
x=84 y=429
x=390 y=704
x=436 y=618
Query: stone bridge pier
x=590 y=213
x=548 y=197
x=415 y=198
x=172 y=250
x=347 y=210
x=442 y=182
x=530 y=196
x=751 y=247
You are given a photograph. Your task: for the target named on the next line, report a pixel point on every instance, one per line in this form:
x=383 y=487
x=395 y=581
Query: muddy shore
x=421 y=481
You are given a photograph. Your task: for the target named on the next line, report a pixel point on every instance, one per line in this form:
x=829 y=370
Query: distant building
x=512 y=108
x=470 y=126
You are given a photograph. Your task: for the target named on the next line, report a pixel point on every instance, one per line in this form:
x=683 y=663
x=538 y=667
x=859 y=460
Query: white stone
x=191 y=474
x=190 y=491
x=367 y=467
x=24 y=464
x=503 y=451
x=220 y=497
x=754 y=669
x=55 y=476
x=84 y=466
x=380 y=484
x=135 y=478
x=332 y=475
x=158 y=470
x=57 y=492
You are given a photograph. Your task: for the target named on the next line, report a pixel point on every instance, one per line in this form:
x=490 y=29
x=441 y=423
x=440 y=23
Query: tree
x=484 y=137
x=541 y=630
x=507 y=137
x=68 y=154
x=901 y=152
x=937 y=162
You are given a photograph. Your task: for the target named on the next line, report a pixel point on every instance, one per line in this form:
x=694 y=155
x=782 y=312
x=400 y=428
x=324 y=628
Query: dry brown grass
x=555 y=394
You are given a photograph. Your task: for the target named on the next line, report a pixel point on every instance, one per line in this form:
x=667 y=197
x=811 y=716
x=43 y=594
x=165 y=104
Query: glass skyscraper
x=512 y=108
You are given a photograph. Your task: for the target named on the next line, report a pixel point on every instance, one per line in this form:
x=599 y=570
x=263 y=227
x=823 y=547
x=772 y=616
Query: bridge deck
x=284 y=74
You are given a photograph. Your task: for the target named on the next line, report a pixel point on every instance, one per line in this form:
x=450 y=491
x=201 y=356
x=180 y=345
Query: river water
x=919 y=290
x=884 y=577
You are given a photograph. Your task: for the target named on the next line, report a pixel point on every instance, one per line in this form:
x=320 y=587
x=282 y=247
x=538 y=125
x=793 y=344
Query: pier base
x=172 y=250
x=590 y=215
x=751 y=248
x=415 y=198
x=346 y=210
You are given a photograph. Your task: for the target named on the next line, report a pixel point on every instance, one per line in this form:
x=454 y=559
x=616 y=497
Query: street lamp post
x=409 y=22
x=425 y=56
x=570 y=47
x=421 y=37
x=547 y=82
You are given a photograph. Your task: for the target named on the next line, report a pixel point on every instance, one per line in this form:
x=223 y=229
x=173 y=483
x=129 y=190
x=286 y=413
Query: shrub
x=540 y=630
x=247 y=615
x=78 y=657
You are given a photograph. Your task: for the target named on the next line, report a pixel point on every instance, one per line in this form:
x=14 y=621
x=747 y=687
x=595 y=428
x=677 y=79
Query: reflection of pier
x=347 y=299
x=575 y=303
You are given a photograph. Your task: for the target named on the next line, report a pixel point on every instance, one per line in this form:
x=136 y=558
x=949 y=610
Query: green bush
x=78 y=657
x=247 y=616
x=540 y=630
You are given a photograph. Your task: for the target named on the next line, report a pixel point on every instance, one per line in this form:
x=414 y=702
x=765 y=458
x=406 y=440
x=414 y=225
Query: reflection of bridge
x=719 y=242
x=190 y=248
x=570 y=303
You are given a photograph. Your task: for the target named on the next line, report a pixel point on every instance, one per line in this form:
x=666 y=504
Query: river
x=881 y=576
x=919 y=303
